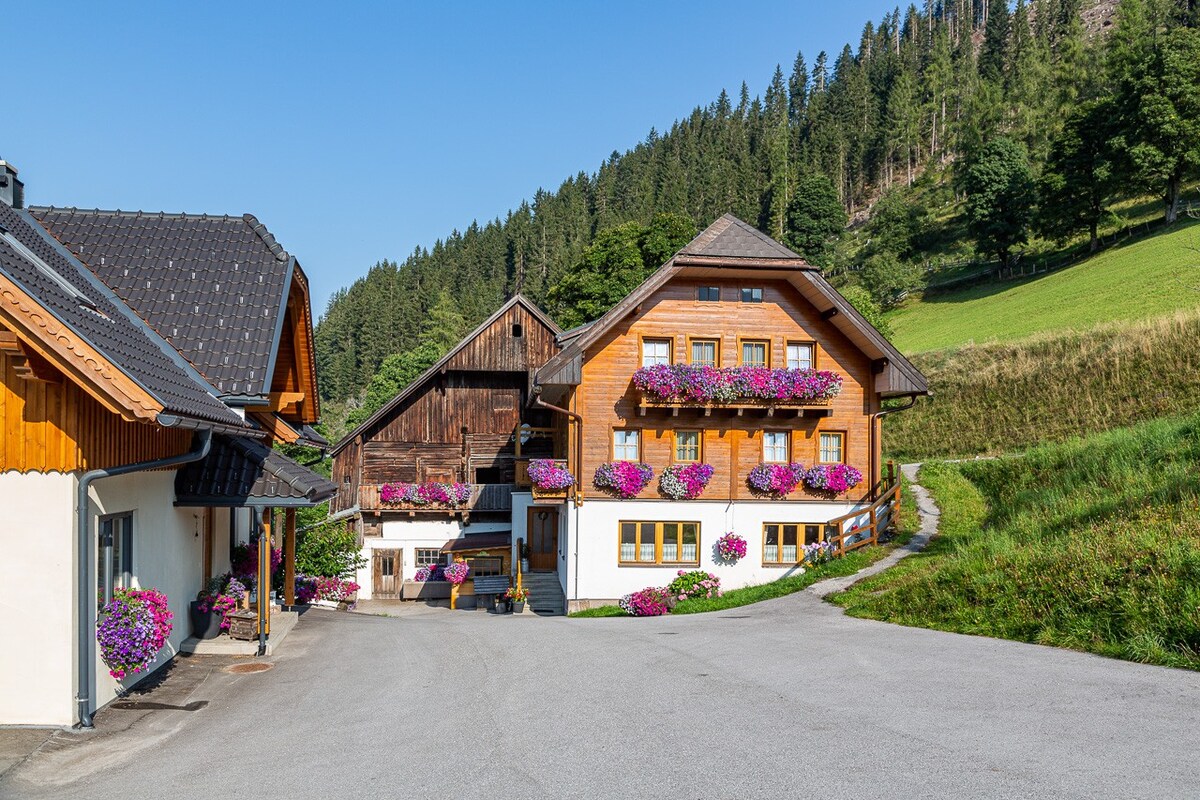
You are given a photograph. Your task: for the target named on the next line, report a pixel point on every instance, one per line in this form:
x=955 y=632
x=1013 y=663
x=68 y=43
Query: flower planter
x=549 y=495
x=518 y=606
x=205 y=624
x=425 y=590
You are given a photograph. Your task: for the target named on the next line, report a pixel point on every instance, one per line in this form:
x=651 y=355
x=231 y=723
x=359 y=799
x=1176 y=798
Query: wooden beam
x=830 y=313
x=26 y=362
x=278 y=429
x=285 y=401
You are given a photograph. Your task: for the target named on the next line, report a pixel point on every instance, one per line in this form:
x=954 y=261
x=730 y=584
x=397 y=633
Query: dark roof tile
x=245 y=472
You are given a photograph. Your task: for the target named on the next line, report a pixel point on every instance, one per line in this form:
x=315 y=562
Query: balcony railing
x=484 y=497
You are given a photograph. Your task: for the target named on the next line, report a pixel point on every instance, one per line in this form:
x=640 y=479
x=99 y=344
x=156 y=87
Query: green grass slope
x=1140 y=279
x=1092 y=544
x=997 y=398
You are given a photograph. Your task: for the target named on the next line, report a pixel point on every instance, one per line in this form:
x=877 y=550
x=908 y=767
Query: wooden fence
x=864 y=526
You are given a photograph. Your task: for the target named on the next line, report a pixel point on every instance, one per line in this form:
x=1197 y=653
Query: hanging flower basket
x=690 y=383
x=684 y=481
x=832 y=478
x=132 y=628
x=731 y=548
x=432 y=494
x=625 y=479
x=778 y=480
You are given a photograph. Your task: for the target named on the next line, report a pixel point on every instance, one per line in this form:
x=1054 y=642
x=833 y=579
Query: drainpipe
x=912 y=400
x=537 y=400
x=201 y=444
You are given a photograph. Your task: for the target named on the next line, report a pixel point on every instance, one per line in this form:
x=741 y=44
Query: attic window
x=708 y=294
x=752 y=295
x=517 y=330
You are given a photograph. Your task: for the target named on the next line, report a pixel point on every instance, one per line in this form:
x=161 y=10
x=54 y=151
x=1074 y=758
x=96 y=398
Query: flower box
x=550 y=480
x=691 y=385
x=428 y=495
x=425 y=590
x=550 y=495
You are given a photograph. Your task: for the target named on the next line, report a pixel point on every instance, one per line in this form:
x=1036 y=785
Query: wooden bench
x=490 y=586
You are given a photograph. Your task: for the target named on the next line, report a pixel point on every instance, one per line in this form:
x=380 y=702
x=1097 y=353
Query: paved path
x=785 y=699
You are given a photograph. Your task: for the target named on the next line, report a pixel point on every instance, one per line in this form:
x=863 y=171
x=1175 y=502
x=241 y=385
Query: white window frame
x=652 y=355
x=837 y=436
x=625 y=441
x=120 y=527
x=794 y=358
x=775 y=447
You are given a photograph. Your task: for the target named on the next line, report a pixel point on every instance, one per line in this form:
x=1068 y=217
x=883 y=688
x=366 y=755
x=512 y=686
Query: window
x=625 y=445
x=387 y=566
x=116 y=537
x=799 y=356
x=781 y=541
x=705 y=352
x=517 y=330
x=752 y=295
x=660 y=543
x=833 y=448
x=428 y=556
x=687 y=445
x=656 y=351
x=755 y=353
x=708 y=294
x=775 y=446
x=483 y=566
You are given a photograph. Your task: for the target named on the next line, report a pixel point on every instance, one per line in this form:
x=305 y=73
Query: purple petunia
x=835 y=478
x=685 y=481
x=777 y=479
x=546 y=473
x=703 y=384
x=433 y=493
x=624 y=478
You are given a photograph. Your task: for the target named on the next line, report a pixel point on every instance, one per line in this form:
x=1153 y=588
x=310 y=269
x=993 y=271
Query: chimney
x=12 y=191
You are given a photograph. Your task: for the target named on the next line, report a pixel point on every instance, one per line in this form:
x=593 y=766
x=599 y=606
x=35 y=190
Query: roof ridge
x=267 y=238
x=117 y=212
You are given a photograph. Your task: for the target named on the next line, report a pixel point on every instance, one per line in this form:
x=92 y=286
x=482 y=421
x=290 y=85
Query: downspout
x=537 y=399
x=201 y=444
x=912 y=400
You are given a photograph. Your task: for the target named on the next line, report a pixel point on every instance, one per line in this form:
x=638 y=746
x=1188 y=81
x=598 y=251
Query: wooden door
x=543 y=539
x=385 y=574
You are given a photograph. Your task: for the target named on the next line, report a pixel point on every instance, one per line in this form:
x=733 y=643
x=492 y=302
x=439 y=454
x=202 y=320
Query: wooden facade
x=294 y=380
x=458 y=420
x=732 y=442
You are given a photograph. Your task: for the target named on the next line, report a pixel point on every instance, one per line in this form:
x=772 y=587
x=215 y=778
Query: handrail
x=882 y=515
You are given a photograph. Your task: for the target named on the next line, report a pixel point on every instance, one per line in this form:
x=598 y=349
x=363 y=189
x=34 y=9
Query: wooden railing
x=864 y=526
x=484 y=497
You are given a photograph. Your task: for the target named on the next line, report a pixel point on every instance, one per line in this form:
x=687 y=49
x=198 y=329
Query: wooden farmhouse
x=149 y=362
x=733 y=391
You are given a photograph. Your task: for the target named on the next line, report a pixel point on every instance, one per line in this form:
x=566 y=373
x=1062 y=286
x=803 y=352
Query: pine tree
x=1081 y=175
x=995 y=41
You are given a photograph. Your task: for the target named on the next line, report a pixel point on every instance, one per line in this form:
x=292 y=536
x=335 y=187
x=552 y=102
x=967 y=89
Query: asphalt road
x=785 y=699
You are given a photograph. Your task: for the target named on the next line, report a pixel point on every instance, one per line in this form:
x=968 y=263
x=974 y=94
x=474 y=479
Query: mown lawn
x=1143 y=278
x=1093 y=544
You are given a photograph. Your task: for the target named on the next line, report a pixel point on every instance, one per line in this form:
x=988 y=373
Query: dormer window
x=752 y=295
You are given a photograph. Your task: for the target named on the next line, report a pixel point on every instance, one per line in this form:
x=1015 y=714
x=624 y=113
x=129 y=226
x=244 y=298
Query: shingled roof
x=78 y=300
x=214 y=286
x=244 y=472
x=729 y=237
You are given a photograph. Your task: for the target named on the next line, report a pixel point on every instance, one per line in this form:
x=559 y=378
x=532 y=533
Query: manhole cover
x=244 y=669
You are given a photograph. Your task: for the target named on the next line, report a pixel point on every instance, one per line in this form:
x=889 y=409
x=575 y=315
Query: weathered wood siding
x=733 y=445
x=495 y=349
x=59 y=427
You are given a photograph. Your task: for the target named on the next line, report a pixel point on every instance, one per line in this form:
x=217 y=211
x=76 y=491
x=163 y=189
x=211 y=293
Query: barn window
x=517 y=330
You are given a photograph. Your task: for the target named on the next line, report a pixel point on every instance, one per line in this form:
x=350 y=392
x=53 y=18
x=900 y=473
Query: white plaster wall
x=37 y=599
x=408 y=535
x=592 y=571
x=168 y=552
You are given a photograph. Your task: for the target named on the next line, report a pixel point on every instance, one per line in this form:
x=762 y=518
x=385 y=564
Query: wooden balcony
x=489 y=497
x=739 y=408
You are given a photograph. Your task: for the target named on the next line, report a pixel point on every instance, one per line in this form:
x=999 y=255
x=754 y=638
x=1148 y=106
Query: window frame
x=471 y=559
x=642 y=340
x=751 y=289
x=714 y=340
x=741 y=354
x=823 y=533
x=787 y=446
x=124 y=555
x=699 y=459
x=612 y=444
x=820 y=455
x=658 y=542
x=417 y=551
x=701 y=289
x=812 y=349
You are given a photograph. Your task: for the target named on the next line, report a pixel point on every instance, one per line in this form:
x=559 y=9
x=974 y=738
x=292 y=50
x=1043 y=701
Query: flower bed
x=701 y=384
x=818 y=553
x=834 y=478
x=132 y=628
x=430 y=493
x=731 y=548
x=776 y=479
x=684 y=481
x=649 y=602
x=549 y=475
x=623 y=478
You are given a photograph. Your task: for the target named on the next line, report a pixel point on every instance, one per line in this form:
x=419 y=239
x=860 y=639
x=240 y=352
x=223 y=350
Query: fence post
x=874 y=527
x=894 y=479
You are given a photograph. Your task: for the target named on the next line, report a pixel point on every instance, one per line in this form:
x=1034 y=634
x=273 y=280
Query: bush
x=649 y=602
x=329 y=551
x=864 y=303
x=888 y=278
x=696 y=583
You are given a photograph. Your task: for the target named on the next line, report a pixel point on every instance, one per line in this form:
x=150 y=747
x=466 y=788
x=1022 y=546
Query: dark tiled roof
x=213 y=286
x=246 y=472
x=87 y=307
x=479 y=541
x=729 y=237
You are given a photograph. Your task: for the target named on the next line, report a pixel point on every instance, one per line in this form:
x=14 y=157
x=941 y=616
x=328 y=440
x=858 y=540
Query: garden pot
x=518 y=606
x=205 y=624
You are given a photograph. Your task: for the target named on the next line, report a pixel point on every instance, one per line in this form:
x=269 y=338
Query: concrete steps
x=545 y=593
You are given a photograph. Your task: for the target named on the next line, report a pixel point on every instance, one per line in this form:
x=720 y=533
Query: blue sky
x=357 y=132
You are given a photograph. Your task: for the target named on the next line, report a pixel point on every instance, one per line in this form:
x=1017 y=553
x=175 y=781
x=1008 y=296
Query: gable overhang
x=438 y=366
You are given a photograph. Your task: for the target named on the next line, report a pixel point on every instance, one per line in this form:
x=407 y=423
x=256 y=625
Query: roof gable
x=446 y=362
x=215 y=287
x=729 y=237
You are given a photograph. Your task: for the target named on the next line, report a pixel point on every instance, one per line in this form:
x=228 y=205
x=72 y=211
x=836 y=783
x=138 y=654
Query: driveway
x=785 y=699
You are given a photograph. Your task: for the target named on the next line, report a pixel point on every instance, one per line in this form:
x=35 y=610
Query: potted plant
x=731 y=548
x=131 y=629
x=624 y=479
x=209 y=612
x=516 y=598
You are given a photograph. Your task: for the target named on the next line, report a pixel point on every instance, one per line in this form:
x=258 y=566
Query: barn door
x=385 y=570
x=543 y=539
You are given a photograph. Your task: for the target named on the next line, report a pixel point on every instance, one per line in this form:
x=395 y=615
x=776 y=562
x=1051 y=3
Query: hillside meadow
x=1092 y=544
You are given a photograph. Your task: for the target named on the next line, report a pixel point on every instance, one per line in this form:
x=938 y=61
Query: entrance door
x=543 y=539
x=385 y=574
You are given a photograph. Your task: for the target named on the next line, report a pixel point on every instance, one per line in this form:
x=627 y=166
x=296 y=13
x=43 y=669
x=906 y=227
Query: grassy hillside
x=1141 y=279
x=999 y=398
x=1092 y=544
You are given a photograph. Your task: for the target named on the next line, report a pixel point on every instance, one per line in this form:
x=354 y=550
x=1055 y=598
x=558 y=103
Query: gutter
x=86 y=623
x=538 y=401
x=878 y=415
